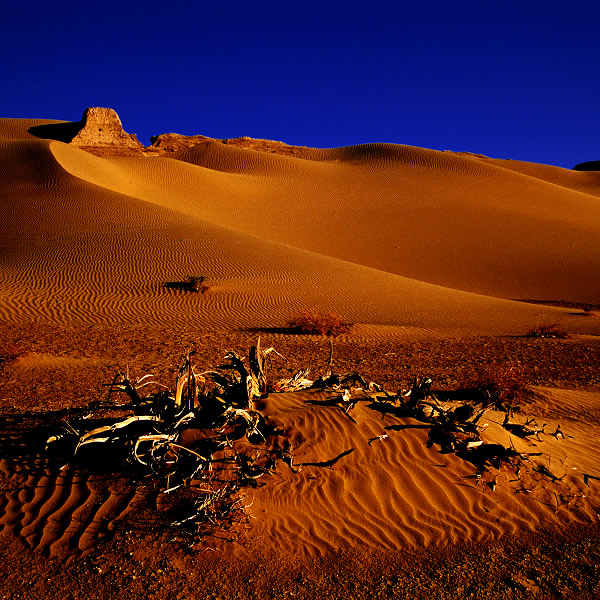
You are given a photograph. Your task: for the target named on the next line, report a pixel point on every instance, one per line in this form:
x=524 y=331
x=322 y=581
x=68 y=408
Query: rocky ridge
x=173 y=142
x=590 y=165
x=101 y=132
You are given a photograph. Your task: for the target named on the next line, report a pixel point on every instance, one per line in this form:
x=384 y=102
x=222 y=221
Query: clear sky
x=506 y=79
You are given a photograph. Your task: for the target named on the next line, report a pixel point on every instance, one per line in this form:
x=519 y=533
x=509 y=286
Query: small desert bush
x=196 y=283
x=505 y=385
x=553 y=330
x=320 y=323
x=9 y=353
x=192 y=283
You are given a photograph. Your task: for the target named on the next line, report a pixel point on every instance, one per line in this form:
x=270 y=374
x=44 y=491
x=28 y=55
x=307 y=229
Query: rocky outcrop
x=271 y=146
x=591 y=165
x=101 y=132
x=172 y=142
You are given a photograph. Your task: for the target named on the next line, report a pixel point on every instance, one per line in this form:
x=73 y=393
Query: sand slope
x=432 y=216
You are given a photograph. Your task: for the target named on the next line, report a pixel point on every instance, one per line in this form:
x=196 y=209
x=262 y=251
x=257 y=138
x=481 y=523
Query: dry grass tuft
x=320 y=323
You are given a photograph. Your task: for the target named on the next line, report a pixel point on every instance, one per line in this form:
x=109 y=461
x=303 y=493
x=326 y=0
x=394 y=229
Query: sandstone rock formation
x=101 y=132
x=171 y=142
x=271 y=146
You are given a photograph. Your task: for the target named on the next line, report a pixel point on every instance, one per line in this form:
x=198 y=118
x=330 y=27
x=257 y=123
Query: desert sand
x=441 y=261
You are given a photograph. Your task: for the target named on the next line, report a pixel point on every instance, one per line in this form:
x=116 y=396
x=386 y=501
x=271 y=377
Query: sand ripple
x=397 y=492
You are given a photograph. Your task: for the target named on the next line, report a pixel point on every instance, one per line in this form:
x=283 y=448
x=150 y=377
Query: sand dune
x=431 y=216
x=563 y=177
x=369 y=231
x=18 y=129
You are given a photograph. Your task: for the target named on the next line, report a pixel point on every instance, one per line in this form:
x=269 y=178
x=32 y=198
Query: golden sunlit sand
x=417 y=249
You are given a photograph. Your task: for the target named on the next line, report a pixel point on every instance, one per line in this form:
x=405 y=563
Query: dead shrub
x=196 y=283
x=320 y=323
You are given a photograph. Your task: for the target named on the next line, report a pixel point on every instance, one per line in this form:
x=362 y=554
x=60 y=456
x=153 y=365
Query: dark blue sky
x=507 y=79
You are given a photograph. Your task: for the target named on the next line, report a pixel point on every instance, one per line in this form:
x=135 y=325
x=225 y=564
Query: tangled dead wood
x=200 y=444
x=454 y=427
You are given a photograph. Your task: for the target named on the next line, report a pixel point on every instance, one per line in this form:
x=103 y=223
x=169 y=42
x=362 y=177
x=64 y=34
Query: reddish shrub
x=505 y=385
x=320 y=323
x=9 y=353
x=553 y=330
